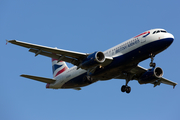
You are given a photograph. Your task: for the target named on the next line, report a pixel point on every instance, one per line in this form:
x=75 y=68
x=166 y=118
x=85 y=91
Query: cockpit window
x=154 y=32
x=160 y=31
x=164 y=31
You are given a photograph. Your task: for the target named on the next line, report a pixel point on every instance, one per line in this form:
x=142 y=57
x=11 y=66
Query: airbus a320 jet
x=119 y=62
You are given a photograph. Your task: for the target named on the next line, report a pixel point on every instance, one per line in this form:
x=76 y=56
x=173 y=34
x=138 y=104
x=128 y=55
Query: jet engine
x=92 y=60
x=151 y=75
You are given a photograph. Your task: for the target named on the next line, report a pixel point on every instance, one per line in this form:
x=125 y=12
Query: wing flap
x=41 y=79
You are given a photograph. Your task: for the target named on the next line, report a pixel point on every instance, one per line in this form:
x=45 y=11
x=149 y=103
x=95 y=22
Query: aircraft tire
x=152 y=65
x=123 y=88
x=128 y=89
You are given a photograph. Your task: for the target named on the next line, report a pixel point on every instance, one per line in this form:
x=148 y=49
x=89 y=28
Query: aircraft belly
x=78 y=81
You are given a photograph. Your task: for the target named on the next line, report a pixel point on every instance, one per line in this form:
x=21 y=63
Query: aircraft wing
x=65 y=55
x=138 y=71
x=38 y=49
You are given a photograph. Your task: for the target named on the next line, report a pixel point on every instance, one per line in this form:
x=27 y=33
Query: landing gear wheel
x=126 y=89
x=152 y=65
x=123 y=88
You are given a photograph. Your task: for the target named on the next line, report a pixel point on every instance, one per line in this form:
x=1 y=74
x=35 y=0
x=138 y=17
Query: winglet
x=174 y=86
x=7 y=42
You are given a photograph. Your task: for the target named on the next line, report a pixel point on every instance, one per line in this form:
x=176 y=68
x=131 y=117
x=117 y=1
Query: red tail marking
x=61 y=71
x=47 y=85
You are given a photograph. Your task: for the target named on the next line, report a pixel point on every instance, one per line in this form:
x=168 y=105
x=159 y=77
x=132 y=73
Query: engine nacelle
x=151 y=75
x=93 y=60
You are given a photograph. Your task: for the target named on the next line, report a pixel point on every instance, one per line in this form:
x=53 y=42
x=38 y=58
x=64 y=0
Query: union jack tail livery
x=58 y=67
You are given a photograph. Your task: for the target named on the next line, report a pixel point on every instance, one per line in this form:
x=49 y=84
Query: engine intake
x=151 y=75
x=93 y=60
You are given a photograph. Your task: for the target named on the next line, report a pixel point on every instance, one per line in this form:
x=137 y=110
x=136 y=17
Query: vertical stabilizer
x=58 y=67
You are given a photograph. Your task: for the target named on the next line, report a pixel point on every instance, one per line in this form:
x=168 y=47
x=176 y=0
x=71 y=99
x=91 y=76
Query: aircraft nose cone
x=169 y=36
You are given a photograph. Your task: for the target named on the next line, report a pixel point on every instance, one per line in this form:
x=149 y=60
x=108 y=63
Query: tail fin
x=58 y=67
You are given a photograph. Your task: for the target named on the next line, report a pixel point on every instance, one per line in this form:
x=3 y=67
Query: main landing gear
x=126 y=88
x=152 y=59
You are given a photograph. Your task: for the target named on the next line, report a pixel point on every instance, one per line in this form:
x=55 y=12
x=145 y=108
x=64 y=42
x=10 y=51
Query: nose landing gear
x=152 y=59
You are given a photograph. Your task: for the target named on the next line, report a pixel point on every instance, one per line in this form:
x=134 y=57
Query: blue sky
x=84 y=26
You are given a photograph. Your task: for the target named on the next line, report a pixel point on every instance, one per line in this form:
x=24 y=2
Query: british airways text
x=123 y=46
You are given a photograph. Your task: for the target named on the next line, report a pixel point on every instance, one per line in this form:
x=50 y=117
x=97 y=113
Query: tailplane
x=37 y=78
x=58 y=67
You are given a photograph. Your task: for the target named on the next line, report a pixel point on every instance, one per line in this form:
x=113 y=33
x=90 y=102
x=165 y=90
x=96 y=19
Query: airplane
x=119 y=62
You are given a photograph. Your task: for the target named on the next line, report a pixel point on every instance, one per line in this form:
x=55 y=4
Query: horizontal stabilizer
x=41 y=79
